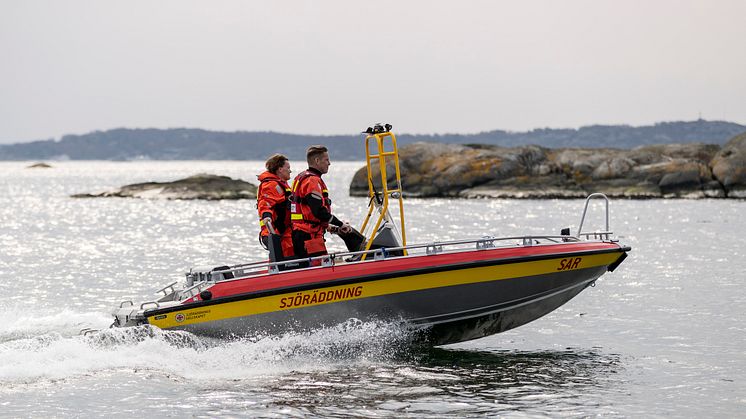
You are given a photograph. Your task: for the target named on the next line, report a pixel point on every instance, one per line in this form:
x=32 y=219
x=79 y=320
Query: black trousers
x=273 y=243
x=299 y=245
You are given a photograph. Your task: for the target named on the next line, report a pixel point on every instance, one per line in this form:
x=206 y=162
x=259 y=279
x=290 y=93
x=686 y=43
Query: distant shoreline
x=198 y=144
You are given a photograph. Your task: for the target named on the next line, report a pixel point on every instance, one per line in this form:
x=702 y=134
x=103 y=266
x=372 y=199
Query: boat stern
x=127 y=314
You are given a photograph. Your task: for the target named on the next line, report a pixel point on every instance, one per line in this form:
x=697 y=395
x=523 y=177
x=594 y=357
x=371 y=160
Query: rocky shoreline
x=201 y=186
x=657 y=171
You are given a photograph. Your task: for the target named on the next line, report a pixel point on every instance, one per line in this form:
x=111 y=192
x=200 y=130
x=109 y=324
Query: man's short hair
x=275 y=162
x=315 y=151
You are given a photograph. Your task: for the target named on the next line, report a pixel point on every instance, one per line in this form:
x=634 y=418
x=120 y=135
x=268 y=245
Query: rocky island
x=653 y=171
x=40 y=165
x=201 y=186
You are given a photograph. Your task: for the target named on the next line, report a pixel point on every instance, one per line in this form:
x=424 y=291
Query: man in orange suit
x=311 y=207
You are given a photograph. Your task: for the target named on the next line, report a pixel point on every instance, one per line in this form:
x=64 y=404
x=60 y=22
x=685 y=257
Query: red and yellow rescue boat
x=450 y=291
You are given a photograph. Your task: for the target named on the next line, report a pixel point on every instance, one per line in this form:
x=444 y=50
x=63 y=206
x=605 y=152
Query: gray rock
x=39 y=166
x=713 y=189
x=613 y=168
x=729 y=167
x=201 y=186
x=657 y=171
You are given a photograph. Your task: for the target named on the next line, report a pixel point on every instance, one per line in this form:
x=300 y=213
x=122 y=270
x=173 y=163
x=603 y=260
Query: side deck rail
x=198 y=279
x=434 y=248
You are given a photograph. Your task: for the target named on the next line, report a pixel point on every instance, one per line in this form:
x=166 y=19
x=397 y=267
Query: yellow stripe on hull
x=327 y=295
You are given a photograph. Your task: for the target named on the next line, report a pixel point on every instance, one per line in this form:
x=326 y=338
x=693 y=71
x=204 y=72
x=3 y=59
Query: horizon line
x=57 y=139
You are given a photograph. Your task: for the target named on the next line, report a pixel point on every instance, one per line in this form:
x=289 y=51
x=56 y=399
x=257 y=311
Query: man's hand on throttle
x=345 y=228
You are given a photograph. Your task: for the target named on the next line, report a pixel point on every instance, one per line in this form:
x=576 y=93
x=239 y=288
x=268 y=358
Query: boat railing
x=168 y=289
x=191 y=291
x=585 y=211
x=243 y=271
x=597 y=235
x=199 y=278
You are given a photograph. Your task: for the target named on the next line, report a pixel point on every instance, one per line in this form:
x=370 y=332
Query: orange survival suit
x=273 y=201
x=311 y=211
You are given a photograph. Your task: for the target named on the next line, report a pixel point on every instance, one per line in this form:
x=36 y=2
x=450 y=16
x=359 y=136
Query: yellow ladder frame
x=386 y=192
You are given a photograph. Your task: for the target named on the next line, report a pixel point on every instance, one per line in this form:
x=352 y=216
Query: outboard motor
x=387 y=239
x=354 y=240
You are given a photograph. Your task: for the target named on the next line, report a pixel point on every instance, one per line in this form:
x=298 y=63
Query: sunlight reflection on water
x=661 y=335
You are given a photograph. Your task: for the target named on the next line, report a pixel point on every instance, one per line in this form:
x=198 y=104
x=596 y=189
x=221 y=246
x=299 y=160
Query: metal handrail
x=264 y=267
x=169 y=286
x=142 y=306
x=598 y=235
x=585 y=209
x=484 y=243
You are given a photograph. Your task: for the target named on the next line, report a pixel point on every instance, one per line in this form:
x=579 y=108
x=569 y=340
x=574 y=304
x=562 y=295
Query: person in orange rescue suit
x=273 y=202
x=311 y=207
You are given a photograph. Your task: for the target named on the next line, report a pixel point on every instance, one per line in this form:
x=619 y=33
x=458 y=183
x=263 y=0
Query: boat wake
x=36 y=353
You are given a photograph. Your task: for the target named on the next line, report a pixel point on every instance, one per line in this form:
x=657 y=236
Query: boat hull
x=507 y=316
x=448 y=303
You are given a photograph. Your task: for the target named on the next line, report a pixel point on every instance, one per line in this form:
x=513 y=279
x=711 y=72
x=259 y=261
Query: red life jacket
x=273 y=196
x=301 y=215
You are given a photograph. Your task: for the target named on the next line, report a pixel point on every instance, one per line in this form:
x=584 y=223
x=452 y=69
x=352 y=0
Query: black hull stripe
x=508 y=305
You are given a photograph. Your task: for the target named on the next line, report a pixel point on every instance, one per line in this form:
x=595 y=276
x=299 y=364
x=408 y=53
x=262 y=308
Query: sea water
x=663 y=335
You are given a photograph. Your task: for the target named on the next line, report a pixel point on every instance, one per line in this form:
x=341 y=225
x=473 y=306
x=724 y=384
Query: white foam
x=52 y=355
x=19 y=322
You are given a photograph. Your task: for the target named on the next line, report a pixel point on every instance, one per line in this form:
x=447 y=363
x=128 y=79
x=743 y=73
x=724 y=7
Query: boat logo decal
x=317 y=297
x=570 y=263
x=179 y=318
x=161 y=317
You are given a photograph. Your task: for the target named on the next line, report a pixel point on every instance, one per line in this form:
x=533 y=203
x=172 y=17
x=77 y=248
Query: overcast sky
x=334 y=67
